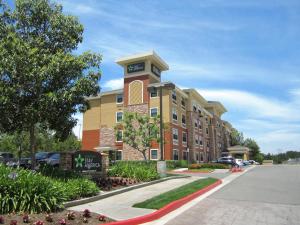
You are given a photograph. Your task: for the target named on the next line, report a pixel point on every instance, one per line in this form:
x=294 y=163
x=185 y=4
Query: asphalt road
x=264 y=195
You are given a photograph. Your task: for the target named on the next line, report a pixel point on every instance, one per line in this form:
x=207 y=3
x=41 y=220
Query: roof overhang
x=150 y=55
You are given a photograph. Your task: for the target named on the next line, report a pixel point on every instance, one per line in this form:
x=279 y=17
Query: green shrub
x=173 y=164
x=209 y=166
x=76 y=188
x=138 y=170
x=54 y=172
x=28 y=191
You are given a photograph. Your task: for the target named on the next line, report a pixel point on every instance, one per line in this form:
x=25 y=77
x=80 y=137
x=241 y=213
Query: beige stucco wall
x=91 y=118
x=109 y=107
x=154 y=102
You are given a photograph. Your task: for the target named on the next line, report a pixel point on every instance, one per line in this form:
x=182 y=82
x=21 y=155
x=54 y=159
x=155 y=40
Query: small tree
x=236 y=137
x=139 y=131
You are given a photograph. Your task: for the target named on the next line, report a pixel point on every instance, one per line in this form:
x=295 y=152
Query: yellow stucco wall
x=154 y=102
x=109 y=109
x=91 y=118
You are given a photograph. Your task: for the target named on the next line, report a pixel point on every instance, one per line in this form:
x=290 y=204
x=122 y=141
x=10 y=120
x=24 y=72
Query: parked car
x=226 y=160
x=253 y=162
x=239 y=162
x=52 y=160
x=39 y=156
x=246 y=163
x=6 y=157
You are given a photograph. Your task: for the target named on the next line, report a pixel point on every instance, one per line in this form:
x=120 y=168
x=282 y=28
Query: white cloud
x=114 y=84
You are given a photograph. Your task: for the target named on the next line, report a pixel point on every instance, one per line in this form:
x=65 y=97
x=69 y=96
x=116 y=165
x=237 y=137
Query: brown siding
x=90 y=139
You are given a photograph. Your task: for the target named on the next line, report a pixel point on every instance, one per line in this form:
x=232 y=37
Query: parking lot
x=264 y=195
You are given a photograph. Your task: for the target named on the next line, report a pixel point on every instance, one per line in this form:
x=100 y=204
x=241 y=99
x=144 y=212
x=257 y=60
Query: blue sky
x=243 y=53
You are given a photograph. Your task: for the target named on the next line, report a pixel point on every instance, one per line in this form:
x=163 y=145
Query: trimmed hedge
x=138 y=170
x=28 y=191
x=173 y=164
x=209 y=166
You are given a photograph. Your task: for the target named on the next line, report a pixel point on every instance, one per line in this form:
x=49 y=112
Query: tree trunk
x=144 y=154
x=32 y=146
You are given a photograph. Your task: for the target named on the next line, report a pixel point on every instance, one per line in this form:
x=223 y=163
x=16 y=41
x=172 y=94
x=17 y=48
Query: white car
x=239 y=162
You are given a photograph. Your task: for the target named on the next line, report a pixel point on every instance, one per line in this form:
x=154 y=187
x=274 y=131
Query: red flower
x=86 y=213
x=26 y=218
x=39 y=222
x=13 y=222
x=102 y=218
x=62 y=222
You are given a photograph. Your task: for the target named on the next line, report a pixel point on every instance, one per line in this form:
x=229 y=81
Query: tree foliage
x=139 y=131
x=41 y=81
x=19 y=143
x=236 y=137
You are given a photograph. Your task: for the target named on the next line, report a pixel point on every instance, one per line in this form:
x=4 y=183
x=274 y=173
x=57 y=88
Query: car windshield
x=54 y=156
x=41 y=155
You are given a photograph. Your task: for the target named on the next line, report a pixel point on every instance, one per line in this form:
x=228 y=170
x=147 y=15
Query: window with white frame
x=119 y=117
x=119 y=98
x=207 y=144
x=196 y=140
x=174 y=114
x=153 y=112
x=174 y=96
x=183 y=103
x=194 y=108
x=200 y=140
x=200 y=125
x=175 y=154
x=184 y=138
x=154 y=154
x=119 y=155
x=183 y=120
x=119 y=136
x=206 y=130
x=175 y=136
x=153 y=93
x=195 y=123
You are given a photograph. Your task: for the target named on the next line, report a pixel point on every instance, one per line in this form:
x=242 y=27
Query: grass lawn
x=161 y=200
x=202 y=170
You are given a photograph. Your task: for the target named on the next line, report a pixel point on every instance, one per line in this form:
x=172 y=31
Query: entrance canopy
x=239 y=150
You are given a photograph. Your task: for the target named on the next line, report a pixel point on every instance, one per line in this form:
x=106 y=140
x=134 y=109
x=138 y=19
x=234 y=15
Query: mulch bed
x=58 y=218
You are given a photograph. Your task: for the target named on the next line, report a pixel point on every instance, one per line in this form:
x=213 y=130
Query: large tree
x=139 y=131
x=236 y=137
x=42 y=82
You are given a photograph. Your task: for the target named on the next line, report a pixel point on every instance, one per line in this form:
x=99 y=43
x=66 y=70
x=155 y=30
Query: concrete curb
x=120 y=191
x=166 y=209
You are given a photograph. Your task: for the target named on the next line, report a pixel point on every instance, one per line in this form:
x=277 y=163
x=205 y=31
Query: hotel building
x=193 y=127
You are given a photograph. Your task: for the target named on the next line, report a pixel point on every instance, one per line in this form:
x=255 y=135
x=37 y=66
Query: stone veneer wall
x=107 y=136
x=130 y=153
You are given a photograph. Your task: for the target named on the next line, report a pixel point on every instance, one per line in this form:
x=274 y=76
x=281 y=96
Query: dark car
x=52 y=160
x=40 y=156
x=6 y=157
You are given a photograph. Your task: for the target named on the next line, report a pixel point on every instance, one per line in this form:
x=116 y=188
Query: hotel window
x=185 y=155
x=154 y=154
x=206 y=119
x=174 y=114
x=175 y=136
x=119 y=136
x=201 y=157
x=206 y=130
x=174 y=96
x=195 y=123
x=200 y=141
x=153 y=112
x=200 y=126
x=184 y=138
x=153 y=93
x=207 y=144
x=199 y=111
x=196 y=140
x=119 y=98
x=183 y=120
x=175 y=154
x=182 y=103
x=119 y=155
x=119 y=117
x=195 y=108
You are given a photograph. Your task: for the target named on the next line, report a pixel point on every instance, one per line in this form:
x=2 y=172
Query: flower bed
x=59 y=218
x=114 y=183
x=209 y=166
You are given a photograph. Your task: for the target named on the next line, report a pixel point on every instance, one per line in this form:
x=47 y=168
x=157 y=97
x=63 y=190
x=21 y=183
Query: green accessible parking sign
x=87 y=161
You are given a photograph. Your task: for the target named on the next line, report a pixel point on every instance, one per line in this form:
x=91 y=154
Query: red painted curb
x=166 y=209
x=235 y=170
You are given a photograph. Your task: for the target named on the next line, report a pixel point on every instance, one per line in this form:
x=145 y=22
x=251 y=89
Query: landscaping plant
x=138 y=170
x=209 y=166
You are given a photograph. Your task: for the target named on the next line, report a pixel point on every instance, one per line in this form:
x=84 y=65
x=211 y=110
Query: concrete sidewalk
x=119 y=207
